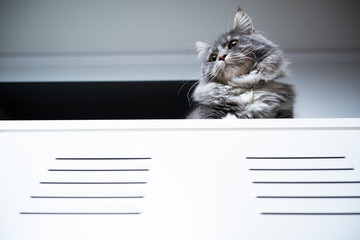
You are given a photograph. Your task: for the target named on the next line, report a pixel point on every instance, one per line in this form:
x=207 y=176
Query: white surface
x=209 y=124
x=199 y=183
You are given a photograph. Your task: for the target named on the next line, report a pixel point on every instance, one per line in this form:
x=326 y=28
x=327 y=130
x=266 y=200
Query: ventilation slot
x=91 y=186
x=305 y=185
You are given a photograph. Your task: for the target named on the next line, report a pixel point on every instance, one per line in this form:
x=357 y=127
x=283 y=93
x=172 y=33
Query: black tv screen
x=95 y=100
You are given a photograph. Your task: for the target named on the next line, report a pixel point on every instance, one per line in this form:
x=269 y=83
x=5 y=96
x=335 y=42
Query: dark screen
x=95 y=100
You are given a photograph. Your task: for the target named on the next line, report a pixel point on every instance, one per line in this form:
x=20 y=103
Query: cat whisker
x=251 y=48
x=209 y=77
x=240 y=58
x=188 y=93
x=186 y=81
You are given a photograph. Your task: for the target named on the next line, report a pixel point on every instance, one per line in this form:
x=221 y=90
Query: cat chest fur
x=250 y=103
x=267 y=100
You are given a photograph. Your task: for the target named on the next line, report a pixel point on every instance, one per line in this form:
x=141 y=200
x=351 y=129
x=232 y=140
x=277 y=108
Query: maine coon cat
x=237 y=76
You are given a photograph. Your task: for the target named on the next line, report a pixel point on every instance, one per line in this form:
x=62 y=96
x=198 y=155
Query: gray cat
x=238 y=74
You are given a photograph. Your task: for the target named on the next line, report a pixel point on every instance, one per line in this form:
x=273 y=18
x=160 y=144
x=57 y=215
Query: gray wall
x=170 y=26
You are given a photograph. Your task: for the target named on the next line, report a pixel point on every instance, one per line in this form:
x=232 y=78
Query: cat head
x=238 y=52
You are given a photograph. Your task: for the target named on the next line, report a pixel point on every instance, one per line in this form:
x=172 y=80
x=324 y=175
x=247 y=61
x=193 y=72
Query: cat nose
x=222 y=58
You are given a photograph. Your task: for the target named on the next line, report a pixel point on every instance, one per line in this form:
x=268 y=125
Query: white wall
x=170 y=26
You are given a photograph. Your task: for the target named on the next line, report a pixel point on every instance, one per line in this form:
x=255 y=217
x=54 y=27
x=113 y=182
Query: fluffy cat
x=237 y=76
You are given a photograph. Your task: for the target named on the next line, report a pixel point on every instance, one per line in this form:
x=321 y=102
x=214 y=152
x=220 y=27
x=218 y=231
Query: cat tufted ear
x=243 y=23
x=202 y=48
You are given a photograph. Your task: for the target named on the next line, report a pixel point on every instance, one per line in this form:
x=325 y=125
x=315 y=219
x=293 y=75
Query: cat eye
x=233 y=43
x=213 y=57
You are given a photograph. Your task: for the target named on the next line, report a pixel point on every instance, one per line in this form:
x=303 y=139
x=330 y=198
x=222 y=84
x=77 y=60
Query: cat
x=237 y=76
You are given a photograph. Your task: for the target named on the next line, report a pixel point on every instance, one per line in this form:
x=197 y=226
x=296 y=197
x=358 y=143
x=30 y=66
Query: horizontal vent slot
x=321 y=185
x=98 y=170
x=91 y=186
x=311 y=213
x=93 y=182
x=299 y=157
x=80 y=213
x=317 y=182
x=308 y=197
x=301 y=169
x=103 y=159
x=87 y=197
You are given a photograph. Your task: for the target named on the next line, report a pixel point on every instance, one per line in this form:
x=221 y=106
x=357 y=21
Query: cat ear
x=202 y=48
x=243 y=23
